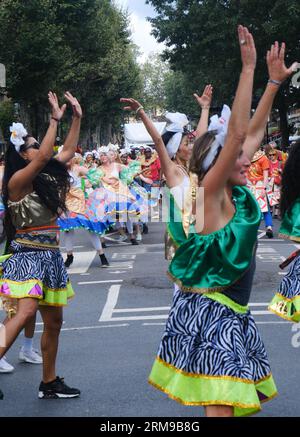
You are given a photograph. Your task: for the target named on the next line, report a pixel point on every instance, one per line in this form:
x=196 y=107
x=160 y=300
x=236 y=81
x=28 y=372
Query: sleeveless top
x=176 y=197
x=76 y=180
x=215 y=262
x=115 y=172
x=290 y=225
x=30 y=212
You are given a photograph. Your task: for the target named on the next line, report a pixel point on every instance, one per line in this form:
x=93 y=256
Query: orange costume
x=255 y=178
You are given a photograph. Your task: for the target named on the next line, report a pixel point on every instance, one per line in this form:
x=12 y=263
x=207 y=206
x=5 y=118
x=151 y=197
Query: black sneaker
x=1 y=395
x=134 y=242
x=57 y=389
x=69 y=261
x=104 y=262
x=269 y=233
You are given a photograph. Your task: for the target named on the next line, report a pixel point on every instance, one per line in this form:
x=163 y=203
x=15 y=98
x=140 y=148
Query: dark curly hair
x=290 y=189
x=51 y=185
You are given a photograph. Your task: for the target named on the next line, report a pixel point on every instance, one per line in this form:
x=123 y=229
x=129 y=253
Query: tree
x=83 y=46
x=154 y=73
x=201 y=42
x=6 y=117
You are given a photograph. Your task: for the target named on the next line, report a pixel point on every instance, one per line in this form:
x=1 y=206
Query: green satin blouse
x=211 y=263
x=290 y=225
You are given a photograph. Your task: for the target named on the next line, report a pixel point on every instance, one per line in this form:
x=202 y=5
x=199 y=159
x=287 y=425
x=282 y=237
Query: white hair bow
x=18 y=132
x=103 y=150
x=220 y=125
x=113 y=147
x=176 y=122
x=125 y=152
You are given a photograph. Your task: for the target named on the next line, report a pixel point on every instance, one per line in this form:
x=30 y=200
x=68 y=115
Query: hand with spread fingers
x=77 y=110
x=278 y=71
x=205 y=100
x=57 y=112
x=132 y=105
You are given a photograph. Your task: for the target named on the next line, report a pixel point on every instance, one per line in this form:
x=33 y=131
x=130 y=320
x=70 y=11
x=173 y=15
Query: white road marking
x=134 y=310
x=121 y=265
x=271 y=240
x=84 y=328
x=100 y=282
x=111 y=302
x=270 y=258
x=126 y=256
x=261 y=235
x=264 y=249
x=153 y=324
x=81 y=262
x=74 y=247
x=112 y=298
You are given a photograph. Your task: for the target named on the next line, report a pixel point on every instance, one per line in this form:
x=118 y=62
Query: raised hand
x=132 y=105
x=57 y=112
x=205 y=100
x=278 y=71
x=77 y=111
x=247 y=46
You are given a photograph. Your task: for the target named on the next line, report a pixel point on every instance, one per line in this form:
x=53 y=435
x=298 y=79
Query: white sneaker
x=32 y=357
x=5 y=367
x=138 y=237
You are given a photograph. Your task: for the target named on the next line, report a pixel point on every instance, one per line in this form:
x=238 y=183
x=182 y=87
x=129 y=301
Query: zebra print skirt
x=211 y=354
x=35 y=273
x=286 y=302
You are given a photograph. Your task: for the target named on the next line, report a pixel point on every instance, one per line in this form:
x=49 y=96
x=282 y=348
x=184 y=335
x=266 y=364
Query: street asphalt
x=112 y=330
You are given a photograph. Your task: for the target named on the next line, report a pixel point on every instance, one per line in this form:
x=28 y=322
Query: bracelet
x=56 y=119
x=274 y=82
x=138 y=109
x=205 y=107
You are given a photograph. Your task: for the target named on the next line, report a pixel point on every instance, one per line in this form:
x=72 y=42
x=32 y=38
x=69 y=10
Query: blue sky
x=140 y=27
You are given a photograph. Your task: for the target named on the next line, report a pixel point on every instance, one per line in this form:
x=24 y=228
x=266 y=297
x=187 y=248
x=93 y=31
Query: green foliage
x=154 y=73
x=83 y=46
x=201 y=41
x=6 y=117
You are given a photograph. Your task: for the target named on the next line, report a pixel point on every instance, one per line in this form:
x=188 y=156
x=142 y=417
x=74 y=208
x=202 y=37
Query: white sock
x=96 y=242
x=69 y=241
x=27 y=344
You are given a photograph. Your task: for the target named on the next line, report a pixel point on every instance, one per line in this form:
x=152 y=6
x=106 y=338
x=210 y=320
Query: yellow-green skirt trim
x=245 y=396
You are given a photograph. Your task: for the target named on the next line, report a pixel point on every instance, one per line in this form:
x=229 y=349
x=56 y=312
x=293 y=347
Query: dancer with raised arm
x=211 y=353
x=286 y=302
x=34 y=190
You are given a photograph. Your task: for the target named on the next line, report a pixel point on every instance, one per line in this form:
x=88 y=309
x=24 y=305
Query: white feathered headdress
x=18 y=132
x=220 y=125
x=176 y=122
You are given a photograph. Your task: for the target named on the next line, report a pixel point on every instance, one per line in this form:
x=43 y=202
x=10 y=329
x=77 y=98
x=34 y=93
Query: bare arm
x=217 y=178
x=204 y=102
x=21 y=182
x=71 y=141
x=169 y=168
x=258 y=123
